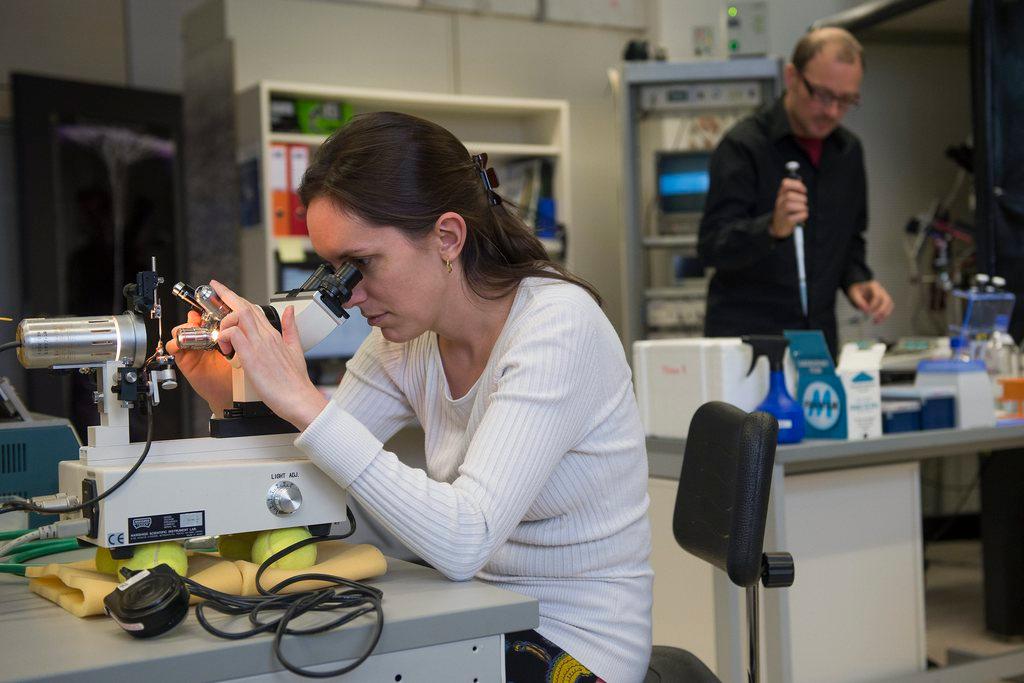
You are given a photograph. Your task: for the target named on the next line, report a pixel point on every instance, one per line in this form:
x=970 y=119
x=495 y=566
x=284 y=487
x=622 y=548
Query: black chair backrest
x=724 y=486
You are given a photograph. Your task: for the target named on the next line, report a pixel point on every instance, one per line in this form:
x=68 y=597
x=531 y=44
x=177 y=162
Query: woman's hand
x=207 y=371
x=273 y=363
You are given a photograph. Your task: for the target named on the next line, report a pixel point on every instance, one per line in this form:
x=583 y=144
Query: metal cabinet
x=673 y=116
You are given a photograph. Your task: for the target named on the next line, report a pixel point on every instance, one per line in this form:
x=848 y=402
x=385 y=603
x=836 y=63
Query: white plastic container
x=674 y=377
x=970 y=381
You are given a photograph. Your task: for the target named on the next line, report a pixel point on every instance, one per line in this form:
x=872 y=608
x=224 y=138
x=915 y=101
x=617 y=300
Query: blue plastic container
x=901 y=416
x=788 y=412
x=938 y=412
x=547 y=221
x=937 y=406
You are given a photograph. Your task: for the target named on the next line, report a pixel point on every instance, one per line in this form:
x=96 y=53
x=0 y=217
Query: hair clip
x=489 y=178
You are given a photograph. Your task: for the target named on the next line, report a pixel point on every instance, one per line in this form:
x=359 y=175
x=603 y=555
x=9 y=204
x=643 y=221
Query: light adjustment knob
x=284 y=498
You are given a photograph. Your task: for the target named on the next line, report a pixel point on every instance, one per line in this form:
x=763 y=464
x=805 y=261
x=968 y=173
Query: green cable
x=41 y=544
x=64 y=545
x=55 y=545
x=16 y=533
x=34 y=549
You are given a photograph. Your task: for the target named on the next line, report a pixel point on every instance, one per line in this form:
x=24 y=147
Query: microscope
x=246 y=476
x=318 y=304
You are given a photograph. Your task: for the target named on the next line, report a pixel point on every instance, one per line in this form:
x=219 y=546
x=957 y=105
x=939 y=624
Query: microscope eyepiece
x=336 y=289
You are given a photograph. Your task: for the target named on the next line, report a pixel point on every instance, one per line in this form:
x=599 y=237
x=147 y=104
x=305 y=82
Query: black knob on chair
x=777 y=570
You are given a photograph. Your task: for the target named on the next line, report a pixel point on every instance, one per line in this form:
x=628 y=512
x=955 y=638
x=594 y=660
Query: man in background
x=753 y=209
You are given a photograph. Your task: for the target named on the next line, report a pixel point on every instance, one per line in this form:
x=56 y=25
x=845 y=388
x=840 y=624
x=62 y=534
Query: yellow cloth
x=80 y=589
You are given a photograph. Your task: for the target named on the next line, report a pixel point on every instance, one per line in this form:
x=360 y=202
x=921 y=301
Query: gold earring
x=448 y=265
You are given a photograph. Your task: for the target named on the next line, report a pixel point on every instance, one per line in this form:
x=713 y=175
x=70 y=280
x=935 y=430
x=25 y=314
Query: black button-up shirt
x=755 y=288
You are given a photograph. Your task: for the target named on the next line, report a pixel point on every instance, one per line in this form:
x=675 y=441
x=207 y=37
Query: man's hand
x=790 y=208
x=871 y=298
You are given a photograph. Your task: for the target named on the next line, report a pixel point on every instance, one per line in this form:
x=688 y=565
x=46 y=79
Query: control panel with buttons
x=693 y=96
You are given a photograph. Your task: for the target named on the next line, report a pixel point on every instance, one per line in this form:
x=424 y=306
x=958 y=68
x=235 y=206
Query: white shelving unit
x=507 y=129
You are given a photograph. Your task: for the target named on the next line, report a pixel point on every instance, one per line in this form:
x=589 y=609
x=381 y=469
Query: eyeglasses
x=826 y=99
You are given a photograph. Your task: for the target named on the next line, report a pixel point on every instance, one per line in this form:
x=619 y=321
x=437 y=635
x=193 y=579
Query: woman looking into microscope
x=536 y=470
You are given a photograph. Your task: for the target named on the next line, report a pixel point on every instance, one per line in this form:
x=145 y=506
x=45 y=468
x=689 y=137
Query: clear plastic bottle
x=958 y=349
x=1008 y=355
x=1002 y=361
x=1020 y=359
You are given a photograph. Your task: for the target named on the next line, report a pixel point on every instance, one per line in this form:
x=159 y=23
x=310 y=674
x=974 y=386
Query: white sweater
x=536 y=479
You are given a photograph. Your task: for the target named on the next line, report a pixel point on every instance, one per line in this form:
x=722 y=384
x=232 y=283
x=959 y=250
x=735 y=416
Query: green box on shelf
x=322 y=116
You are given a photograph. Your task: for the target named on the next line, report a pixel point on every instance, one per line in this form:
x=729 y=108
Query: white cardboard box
x=858 y=370
x=674 y=377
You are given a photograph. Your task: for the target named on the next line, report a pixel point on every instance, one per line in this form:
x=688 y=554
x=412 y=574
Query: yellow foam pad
x=80 y=588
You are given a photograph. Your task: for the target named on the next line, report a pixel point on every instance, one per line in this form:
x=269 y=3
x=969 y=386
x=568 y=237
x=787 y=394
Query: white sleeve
x=368 y=390
x=538 y=412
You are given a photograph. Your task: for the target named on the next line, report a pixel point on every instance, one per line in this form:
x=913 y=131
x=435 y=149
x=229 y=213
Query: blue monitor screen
x=689 y=182
x=683 y=181
x=344 y=341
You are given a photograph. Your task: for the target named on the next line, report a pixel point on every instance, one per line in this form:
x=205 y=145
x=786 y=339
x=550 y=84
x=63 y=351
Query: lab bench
x=850 y=513
x=434 y=630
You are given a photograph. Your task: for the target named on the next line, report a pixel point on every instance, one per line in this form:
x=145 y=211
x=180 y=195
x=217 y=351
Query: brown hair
x=398 y=170
x=813 y=42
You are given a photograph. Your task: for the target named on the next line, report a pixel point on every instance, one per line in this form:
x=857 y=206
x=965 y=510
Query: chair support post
x=753 y=635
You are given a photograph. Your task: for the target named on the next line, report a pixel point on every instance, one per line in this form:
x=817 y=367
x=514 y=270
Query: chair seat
x=672 y=665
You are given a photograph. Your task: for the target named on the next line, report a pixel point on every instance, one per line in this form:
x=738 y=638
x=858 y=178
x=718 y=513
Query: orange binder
x=279 y=202
x=298 y=160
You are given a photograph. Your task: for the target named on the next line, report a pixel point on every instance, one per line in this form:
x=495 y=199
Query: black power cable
x=354 y=597
x=9 y=345
x=152 y=602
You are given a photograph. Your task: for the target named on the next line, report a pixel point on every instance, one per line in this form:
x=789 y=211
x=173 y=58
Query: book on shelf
x=280 y=211
x=525 y=183
x=298 y=161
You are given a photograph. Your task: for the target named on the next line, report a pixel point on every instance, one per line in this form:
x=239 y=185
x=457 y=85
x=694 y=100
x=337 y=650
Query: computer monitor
x=682 y=181
x=344 y=341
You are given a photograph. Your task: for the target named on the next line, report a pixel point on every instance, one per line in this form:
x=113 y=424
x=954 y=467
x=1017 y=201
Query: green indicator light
x=734 y=45
x=733 y=11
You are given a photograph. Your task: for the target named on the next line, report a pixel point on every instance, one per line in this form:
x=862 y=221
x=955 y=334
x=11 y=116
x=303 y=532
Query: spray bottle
x=778 y=402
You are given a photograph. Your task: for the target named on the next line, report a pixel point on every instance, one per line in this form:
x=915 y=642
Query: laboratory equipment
x=983 y=336
x=344 y=341
x=31 y=446
x=746 y=28
x=211 y=311
x=179 y=489
x=986 y=310
x=674 y=114
x=928 y=408
x=968 y=380
x=682 y=184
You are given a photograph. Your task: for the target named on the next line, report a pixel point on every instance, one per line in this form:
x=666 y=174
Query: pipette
x=793 y=171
